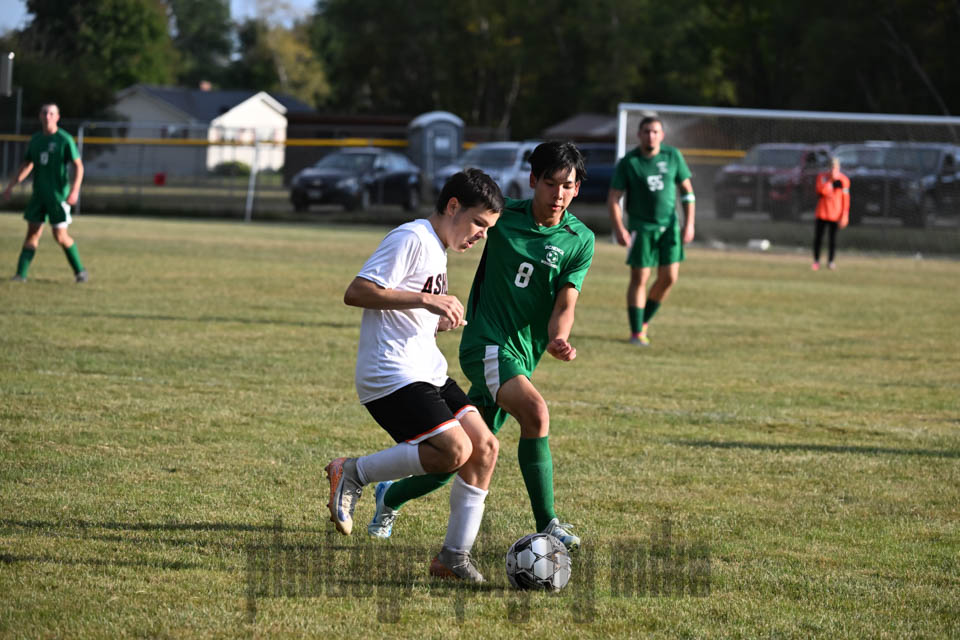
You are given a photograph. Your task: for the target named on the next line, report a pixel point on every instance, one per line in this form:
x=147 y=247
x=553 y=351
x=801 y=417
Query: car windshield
x=871 y=158
x=488 y=157
x=773 y=157
x=350 y=161
x=915 y=159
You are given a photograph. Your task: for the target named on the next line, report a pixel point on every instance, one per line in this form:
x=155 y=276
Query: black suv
x=777 y=178
x=915 y=182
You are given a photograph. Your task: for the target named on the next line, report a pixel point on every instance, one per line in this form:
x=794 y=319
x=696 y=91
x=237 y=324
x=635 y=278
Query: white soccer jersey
x=399 y=347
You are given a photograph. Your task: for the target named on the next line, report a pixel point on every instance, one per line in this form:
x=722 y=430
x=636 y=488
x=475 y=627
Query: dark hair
x=471 y=188
x=647 y=120
x=550 y=157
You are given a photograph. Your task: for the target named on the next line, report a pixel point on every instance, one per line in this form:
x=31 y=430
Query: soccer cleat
x=382 y=524
x=18 y=278
x=345 y=490
x=560 y=531
x=83 y=276
x=640 y=340
x=815 y=266
x=455 y=564
x=831 y=265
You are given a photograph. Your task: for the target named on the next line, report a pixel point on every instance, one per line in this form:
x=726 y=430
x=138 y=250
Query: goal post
x=759 y=165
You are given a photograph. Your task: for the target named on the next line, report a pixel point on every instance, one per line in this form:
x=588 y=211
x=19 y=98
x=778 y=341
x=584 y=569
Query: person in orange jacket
x=833 y=211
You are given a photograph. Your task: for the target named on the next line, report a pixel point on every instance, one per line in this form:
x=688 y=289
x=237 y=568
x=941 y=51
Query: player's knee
x=458 y=452
x=486 y=452
x=537 y=422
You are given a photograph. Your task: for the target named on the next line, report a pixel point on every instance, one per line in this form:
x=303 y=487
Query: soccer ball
x=538 y=561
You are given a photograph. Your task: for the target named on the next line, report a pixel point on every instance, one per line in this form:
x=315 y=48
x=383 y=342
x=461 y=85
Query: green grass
x=164 y=428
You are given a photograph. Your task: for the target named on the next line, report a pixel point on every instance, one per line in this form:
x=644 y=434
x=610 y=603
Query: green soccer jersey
x=522 y=269
x=651 y=186
x=51 y=156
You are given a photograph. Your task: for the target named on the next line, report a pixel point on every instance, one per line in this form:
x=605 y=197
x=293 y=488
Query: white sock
x=399 y=461
x=466 y=512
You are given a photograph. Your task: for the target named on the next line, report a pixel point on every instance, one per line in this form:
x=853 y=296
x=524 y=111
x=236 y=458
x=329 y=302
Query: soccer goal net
x=753 y=168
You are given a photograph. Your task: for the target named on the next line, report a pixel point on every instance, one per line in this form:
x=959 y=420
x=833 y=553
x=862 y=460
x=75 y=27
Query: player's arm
x=688 y=202
x=369 y=295
x=824 y=184
x=561 y=324
x=74 y=194
x=845 y=217
x=19 y=177
x=616 y=217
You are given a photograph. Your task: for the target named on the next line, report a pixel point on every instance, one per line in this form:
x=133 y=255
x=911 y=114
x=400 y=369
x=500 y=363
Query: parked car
x=915 y=182
x=506 y=162
x=600 y=159
x=776 y=178
x=357 y=178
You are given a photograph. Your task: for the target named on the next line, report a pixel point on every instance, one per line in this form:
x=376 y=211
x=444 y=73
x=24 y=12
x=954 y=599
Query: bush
x=232 y=168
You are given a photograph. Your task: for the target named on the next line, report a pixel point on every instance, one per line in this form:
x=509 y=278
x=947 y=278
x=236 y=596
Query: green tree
x=277 y=58
x=203 y=36
x=79 y=53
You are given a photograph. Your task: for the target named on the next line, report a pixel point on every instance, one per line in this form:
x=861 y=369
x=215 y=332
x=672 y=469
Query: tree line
x=516 y=66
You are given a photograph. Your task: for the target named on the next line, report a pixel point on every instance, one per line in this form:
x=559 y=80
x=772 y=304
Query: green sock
x=636 y=318
x=23 y=263
x=403 y=491
x=74 y=258
x=651 y=309
x=536 y=465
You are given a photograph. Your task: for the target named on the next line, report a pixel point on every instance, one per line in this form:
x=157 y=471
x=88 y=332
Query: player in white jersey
x=401 y=375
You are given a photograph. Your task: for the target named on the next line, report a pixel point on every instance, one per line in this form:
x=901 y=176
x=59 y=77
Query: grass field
x=782 y=462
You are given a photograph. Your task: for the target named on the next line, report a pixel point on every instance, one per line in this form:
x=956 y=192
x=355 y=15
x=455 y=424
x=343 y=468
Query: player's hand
x=448 y=308
x=688 y=234
x=623 y=236
x=561 y=350
x=72 y=198
x=446 y=325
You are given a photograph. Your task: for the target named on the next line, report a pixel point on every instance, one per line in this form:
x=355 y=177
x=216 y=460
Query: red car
x=775 y=178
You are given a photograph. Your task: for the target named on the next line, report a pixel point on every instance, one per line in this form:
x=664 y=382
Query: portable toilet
x=435 y=140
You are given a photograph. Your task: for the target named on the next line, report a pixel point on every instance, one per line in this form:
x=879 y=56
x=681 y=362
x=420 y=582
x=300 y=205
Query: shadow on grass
x=277 y=561
x=157 y=526
x=172 y=318
x=821 y=448
x=11 y=558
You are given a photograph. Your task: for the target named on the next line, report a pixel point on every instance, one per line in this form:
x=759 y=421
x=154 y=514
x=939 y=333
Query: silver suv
x=506 y=162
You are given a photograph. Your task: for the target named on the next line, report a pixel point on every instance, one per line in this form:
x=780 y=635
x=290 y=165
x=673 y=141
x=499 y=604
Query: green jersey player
x=648 y=176
x=522 y=304
x=49 y=155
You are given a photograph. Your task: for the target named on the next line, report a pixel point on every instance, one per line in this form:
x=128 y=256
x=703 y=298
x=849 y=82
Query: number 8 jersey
x=523 y=267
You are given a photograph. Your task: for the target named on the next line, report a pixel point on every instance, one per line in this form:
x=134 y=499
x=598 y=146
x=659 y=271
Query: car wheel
x=926 y=215
x=513 y=191
x=361 y=202
x=300 y=204
x=413 y=199
x=724 y=209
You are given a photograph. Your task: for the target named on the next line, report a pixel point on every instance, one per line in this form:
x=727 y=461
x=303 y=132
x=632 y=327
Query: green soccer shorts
x=40 y=210
x=487 y=368
x=656 y=247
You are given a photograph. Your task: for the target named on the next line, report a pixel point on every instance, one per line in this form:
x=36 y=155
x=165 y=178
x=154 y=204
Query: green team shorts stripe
x=40 y=210
x=656 y=247
x=487 y=368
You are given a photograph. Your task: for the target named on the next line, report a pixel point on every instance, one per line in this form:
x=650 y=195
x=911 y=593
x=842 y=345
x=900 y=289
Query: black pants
x=831 y=239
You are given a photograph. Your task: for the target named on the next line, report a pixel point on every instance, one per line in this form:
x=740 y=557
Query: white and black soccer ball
x=538 y=561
